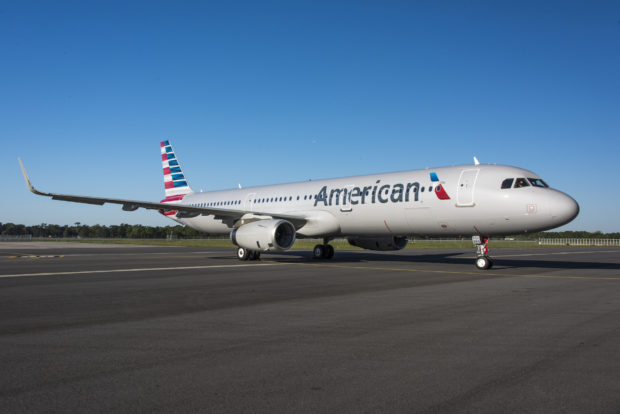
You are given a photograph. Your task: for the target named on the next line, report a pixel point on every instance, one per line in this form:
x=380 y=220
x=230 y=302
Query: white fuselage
x=400 y=204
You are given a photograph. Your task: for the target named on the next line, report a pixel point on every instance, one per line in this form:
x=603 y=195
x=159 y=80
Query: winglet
x=476 y=162
x=30 y=187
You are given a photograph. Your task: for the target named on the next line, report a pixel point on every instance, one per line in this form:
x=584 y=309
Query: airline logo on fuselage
x=440 y=192
x=371 y=194
x=394 y=193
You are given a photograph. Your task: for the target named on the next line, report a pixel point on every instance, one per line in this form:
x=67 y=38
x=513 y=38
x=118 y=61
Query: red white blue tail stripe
x=175 y=183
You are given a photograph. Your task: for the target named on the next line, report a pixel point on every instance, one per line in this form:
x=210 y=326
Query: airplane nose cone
x=563 y=208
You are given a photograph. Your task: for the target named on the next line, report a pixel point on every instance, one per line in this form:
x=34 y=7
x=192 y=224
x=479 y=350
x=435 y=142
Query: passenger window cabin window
x=521 y=182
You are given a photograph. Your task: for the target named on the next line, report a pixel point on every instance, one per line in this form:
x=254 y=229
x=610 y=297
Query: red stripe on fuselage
x=441 y=193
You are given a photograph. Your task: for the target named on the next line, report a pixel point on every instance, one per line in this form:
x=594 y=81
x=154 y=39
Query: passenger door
x=465 y=191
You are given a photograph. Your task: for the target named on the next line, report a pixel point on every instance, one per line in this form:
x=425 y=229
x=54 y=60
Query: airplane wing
x=189 y=211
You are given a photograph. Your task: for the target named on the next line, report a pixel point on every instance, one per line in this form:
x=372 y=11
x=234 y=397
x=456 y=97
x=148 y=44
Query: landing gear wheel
x=484 y=262
x=318 y=252
x=254 y=255
x=329 y=251
x=243 y=254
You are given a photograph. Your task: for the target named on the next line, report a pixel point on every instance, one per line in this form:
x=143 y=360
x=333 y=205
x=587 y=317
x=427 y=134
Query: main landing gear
x=323 y=251
x=245 y=254
x=483 y=261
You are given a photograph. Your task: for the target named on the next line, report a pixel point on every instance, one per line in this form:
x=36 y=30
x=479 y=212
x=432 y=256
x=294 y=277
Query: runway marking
x=36 y=256
x=556 y=253
x=145 y=269
x=450 y=272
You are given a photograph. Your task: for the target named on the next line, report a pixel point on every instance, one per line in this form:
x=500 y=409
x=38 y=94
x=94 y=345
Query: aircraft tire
x=318 y=252
x=243 y=254
x=254 y=255
x=329 y=251
x=484 y=262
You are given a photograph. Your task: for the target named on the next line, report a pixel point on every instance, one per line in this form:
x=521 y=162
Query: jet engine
x=379 y=243
x=264 y=235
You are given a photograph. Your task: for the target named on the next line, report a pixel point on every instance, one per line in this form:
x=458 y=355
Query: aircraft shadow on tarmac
x=449 y=258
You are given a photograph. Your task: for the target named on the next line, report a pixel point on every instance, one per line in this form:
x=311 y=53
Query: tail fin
x=175 y=183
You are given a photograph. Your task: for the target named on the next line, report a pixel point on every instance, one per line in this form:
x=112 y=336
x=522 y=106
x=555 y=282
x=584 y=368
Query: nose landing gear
x=483 y=261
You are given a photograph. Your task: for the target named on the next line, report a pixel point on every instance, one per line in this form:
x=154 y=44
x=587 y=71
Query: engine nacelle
x=379 y=243
x=265 y=235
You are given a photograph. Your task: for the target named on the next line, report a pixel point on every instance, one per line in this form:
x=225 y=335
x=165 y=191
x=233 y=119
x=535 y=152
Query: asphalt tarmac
x=88 y=328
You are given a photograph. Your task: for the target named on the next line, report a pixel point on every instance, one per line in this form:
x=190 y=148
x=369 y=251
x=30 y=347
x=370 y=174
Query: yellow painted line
x=449 y=272
x=145 y=269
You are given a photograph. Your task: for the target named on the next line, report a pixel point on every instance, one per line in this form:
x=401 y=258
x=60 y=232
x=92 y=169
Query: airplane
x=375 y=211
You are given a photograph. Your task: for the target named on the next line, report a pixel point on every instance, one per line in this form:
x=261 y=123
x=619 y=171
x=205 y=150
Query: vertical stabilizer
x=175 y=183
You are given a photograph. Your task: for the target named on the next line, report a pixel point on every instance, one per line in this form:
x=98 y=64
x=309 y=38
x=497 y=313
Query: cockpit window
x=521 y=182
x=507 y=183
x=537 y=182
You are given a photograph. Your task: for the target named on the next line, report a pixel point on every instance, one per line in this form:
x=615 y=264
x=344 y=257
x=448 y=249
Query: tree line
x=138 y=231
x=122 y=231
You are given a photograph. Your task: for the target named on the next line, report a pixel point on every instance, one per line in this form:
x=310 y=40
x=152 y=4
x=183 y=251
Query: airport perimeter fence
x=20 y=237
x=579 y=242
x=505 y=242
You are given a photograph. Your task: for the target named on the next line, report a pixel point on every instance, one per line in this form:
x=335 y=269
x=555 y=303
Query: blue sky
x=277 y=91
